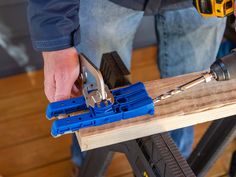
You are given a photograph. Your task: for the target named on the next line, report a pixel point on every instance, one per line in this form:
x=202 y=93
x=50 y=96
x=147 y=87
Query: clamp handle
x=101 y=93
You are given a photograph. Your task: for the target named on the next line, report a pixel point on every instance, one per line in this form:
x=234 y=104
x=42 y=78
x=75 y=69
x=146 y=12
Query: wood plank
x=24 y=129
x=14 y=85
x=22 y=95
x=58 y=169
x=27 y=103
x=204 y=103
x=34 y=154
x=22 y=109
x=118 y=168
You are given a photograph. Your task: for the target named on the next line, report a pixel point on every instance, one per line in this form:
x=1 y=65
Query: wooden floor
x=28 y=150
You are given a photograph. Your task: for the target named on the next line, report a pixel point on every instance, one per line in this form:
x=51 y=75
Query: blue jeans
x=187 y=43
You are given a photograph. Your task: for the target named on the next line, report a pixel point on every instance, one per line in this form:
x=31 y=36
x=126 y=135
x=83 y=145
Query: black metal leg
x=214 y=141
x=164 y=157
x=154 y=156
x=232 y=170
x=96 y=163
x=137 y=160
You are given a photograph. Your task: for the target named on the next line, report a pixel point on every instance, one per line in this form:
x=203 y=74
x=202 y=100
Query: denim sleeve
x=53 y=24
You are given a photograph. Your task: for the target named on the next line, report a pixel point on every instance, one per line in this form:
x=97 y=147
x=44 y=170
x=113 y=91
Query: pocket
x=188 y=19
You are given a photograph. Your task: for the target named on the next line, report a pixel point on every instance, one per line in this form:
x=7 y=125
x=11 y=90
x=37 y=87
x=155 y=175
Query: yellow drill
x=214 y=8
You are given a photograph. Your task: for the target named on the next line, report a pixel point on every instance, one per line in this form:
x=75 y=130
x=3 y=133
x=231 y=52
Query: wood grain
x=57 y=169
x=24 y=129
x=15 y=85
x=22 y=96
x=204 y=103
x=33 y=155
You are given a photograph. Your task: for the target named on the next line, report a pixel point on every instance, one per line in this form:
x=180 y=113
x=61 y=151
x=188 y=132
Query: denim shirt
x=54 y=24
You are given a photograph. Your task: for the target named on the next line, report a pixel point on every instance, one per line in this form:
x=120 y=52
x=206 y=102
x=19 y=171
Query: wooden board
x=204 y=103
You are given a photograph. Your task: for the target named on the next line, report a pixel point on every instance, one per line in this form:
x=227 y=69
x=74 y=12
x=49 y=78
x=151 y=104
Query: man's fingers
x=49 y=89
x=61 y=69
x=49 y=85
x=64 y=82
x=63 y=87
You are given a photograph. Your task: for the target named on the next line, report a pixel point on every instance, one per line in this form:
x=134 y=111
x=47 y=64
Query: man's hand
x=61 y=69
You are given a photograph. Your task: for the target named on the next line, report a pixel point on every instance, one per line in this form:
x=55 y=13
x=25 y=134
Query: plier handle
x=94 y=93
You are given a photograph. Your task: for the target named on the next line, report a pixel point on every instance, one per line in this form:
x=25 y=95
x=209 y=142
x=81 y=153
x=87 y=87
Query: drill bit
x=205 y=77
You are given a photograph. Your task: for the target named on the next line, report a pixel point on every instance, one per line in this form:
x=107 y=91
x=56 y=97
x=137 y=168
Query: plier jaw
x=96 y=93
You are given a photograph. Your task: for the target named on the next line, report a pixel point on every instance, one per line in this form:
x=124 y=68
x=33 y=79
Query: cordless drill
x=214 y=8
x=221 y=70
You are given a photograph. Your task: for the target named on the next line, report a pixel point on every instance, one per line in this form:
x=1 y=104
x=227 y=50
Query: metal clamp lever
x=94 y=93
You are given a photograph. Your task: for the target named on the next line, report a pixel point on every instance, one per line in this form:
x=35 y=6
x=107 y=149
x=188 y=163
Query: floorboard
x=21 y=83
x=24 y=129
x=57 y=169
x=144 y=65
x=33 y=154
x=27 y=103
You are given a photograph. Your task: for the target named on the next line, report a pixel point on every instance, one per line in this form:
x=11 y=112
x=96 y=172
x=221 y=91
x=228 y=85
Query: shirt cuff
x=59 y=43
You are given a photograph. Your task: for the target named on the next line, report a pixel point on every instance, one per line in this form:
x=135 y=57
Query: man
x=60 y=29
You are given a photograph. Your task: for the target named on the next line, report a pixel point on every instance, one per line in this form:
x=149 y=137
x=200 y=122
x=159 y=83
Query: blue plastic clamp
x=129 y=102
